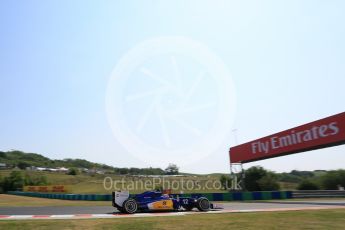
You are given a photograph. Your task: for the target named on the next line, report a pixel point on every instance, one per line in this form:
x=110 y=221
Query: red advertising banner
x=48 y=188
x=322 y=133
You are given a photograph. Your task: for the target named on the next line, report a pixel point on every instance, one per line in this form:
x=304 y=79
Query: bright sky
x=285 y=59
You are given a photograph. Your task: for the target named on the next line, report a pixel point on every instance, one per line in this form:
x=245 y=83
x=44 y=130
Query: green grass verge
x=322 y=219
x=93 y=184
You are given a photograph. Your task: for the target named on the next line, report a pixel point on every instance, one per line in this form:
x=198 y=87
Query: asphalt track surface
x=230 y=206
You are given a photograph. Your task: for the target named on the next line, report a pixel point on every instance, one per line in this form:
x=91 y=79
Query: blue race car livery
x=157 y=201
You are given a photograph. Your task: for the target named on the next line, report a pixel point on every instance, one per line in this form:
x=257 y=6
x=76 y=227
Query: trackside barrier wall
x=231 y=196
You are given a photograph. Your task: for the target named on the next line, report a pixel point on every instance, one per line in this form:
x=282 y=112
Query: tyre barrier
x=62 y=196
x=230 y=196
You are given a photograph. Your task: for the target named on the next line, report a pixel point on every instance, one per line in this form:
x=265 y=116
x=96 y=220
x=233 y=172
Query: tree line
x=259 y=179
x=24 y=160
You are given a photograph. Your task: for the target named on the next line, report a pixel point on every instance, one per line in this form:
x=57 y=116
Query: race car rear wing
x=119 y=197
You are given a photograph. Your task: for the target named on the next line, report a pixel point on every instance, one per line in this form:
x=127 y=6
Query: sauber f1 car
x=157 y=201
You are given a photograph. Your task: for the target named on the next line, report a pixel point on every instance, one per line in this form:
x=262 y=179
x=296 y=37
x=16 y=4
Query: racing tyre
x=202 y=204
x=130 y=206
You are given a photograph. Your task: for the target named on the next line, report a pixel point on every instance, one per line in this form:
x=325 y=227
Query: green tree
x=172 y=169
x=1 y=185
x=134 y=171
x=268 y=182
x=308 y=185
x=225 y=181
x=258 y=179
x=123 y=171
x=14 y=181
x=72 y=171
x=252 y=176
x=332 y=179
x=23 y=165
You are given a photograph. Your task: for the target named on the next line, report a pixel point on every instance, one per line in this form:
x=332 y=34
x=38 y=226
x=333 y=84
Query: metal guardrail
x=318 y=193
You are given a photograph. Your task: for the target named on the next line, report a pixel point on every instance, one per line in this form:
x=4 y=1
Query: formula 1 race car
x=157 y=201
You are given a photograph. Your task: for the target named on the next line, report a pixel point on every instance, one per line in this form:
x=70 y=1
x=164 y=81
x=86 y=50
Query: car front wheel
x=203 y=204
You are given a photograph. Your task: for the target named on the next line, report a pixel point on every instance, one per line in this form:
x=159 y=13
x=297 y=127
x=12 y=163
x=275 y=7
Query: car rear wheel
x=203 y=204
x=130 y=206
